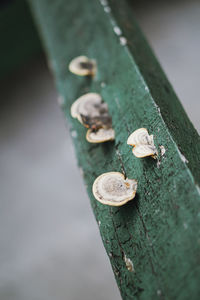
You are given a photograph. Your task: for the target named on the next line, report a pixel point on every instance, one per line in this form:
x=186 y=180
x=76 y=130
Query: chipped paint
x=117 y=102
x=117 y=30
x=107 y=9
x=162 y=150
x=129 y=264
x=159 y=293
x=104 y=2
x=123 y=40
x=103 y=84
x=183 y=158
x=158 y=164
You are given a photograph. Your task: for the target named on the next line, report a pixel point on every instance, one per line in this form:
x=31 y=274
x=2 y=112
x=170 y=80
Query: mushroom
x=88 y=106
x=100 y=136
x=143 y=144
x=92 y=113
x=83 y=66
x=113 y=189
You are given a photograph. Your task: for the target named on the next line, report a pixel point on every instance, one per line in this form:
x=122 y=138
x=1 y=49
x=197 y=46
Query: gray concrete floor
x=50 y=246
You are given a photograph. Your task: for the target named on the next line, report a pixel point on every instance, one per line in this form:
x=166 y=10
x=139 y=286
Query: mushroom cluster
x=113 y=189
x=143 y=144
x=92 y=112
x=110 y=188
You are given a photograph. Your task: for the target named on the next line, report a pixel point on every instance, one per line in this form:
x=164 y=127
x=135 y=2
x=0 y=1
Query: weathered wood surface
x=158 y=232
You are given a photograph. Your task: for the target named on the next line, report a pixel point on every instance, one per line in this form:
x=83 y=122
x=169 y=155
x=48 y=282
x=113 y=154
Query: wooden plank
x=19 y=38
x=158 y=232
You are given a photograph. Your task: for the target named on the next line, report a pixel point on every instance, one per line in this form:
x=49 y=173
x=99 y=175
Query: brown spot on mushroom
x=129 y=264
x=111 y=189
x=162 y=150
x=92 y=112
x=143 y=144
x=83 y=66
x=102 y=121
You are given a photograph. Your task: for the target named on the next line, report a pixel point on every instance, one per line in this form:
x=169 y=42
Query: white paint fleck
x=146 y=88
x=104 y=2
x=74 y=134
x=183 y=158
x=123 y=40
x=99 y=223
x=112 y=22
x=129 y=264
x=117 y=30
x=198 y=188
x=107 y=9
x=61 y=100
x=110 y=254
x=103 y=84
x=185 y=225
x=162 y=150
x=158 y=164
x=117 y=101
x=159 y=293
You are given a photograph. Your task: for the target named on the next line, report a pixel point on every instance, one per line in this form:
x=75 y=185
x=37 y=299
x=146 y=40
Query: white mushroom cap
x=100 y=136
x=83 y=66
x=113 y=189
x=85 y=105
x=91 y=111
x=140 y=137
x=143 y=144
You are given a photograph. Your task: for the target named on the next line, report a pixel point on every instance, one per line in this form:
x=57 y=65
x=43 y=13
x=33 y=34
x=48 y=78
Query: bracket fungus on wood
x=100 y=136
x=113 y=189
x=83 y=66
x=92 y=112
x=143 y=144
x=86 y=105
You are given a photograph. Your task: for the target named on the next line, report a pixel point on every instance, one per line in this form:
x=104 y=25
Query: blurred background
x=50 y=247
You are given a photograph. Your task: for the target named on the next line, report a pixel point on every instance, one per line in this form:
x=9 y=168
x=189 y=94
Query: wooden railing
x=153 y=242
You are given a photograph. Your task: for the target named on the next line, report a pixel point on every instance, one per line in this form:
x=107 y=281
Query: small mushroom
x=100 y=136
x=113 y=189
x=92 y=112
x=87 y=105
x=83 y=66
x=143 y=144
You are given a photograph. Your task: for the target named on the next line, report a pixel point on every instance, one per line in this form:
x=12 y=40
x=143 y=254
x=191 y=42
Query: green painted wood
x=19 y=38
x=159 y=232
